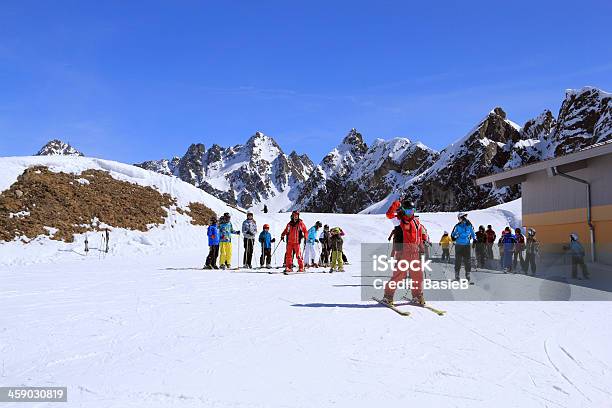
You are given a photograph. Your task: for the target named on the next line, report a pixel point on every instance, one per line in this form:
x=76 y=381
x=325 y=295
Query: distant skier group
x=518 y=252
x=310 y=247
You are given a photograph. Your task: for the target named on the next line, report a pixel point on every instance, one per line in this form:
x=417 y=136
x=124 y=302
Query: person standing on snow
x=425 y=244
x=249 y=230
x=310 y=254
x=532 y=248
x=226 y=229
x=325 y=251
x=402 y=214
x=295 y=231
x=266 y=240
x=507 y=242
x=577 y=251
x=445 y=243
x=480 y=246
x=335 y=243
x=213 y=244
x=490 y=241
x=519 y=247
x=463 y=234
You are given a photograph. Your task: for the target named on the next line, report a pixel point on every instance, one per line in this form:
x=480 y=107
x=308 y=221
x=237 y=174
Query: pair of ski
x=405 y=312
x=300 y=273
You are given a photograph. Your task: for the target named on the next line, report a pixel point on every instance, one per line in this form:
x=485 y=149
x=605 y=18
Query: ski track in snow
x=122 y=332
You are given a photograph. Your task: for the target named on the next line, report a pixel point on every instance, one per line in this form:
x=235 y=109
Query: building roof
x=598 y=149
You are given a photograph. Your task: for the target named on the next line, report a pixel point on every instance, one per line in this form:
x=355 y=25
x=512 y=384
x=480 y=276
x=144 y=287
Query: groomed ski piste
x=142 y=326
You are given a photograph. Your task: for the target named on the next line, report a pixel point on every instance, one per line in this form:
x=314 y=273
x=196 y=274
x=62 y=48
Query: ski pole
x=274 y=252
x=101 y=246
x=277 y=245
x=261 y=257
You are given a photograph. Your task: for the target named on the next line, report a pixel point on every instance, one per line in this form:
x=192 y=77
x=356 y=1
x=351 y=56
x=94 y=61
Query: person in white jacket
x=249 y=231
x=311 y=254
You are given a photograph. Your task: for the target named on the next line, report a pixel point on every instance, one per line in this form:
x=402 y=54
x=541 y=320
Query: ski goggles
x=408 y=211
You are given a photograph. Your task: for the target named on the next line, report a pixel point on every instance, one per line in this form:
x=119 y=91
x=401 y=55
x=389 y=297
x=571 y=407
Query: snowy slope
x=138 y=328
x=176 y=233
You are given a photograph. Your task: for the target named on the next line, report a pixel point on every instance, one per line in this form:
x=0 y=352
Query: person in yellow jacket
x=226 y=230
x=445 y=243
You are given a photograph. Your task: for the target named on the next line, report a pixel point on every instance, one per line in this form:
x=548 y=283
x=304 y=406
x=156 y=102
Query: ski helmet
x=407 y=203
x=481 y=228
x=295 y=214
x=318 y=224
x=489 y=226
x=266 y=226
x=445 y=233
x=336 y=230
x=326 y=227
x=462 y=215
x=574 y=236
x=249 y=213
x=531 y=232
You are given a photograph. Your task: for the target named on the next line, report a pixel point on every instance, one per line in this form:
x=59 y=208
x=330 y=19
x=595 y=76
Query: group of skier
x=410 y=243
x=301 y=243
x=516 y=249
x=512 y=246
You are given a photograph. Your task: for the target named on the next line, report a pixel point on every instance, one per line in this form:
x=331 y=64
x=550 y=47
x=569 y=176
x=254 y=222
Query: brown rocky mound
x=200 y=214
x=72 y=203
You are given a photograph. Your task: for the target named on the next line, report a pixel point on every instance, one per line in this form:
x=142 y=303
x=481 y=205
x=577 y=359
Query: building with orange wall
x=571 y=193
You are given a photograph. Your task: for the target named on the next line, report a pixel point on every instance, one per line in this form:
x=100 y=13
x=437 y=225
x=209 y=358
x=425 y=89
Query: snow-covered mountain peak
x=539 y=126
x=585 y=118
x=263 y=147
x=352 y=141
x=343 y=157
x=499 y=112
x=58 y=148
x=245 y=174
x=353 y=176
x=569 y=93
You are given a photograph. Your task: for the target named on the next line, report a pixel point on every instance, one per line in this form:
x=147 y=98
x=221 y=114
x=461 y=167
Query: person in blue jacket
x=213 y=244
x=462 y=235
x=507 y=241
x=577 y=252
x=266 y=240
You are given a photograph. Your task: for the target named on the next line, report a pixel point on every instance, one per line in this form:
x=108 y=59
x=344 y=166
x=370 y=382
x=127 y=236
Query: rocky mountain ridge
x=354 y=177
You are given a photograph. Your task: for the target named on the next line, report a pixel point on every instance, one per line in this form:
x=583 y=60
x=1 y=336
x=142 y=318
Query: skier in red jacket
x=403 y=212
x=295 y=231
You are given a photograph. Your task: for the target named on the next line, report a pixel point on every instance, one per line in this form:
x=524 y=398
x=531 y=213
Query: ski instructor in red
x=295 y=231
x=402 y=212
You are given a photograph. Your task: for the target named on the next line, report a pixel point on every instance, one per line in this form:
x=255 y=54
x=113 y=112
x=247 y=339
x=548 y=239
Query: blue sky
x=132 y=81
